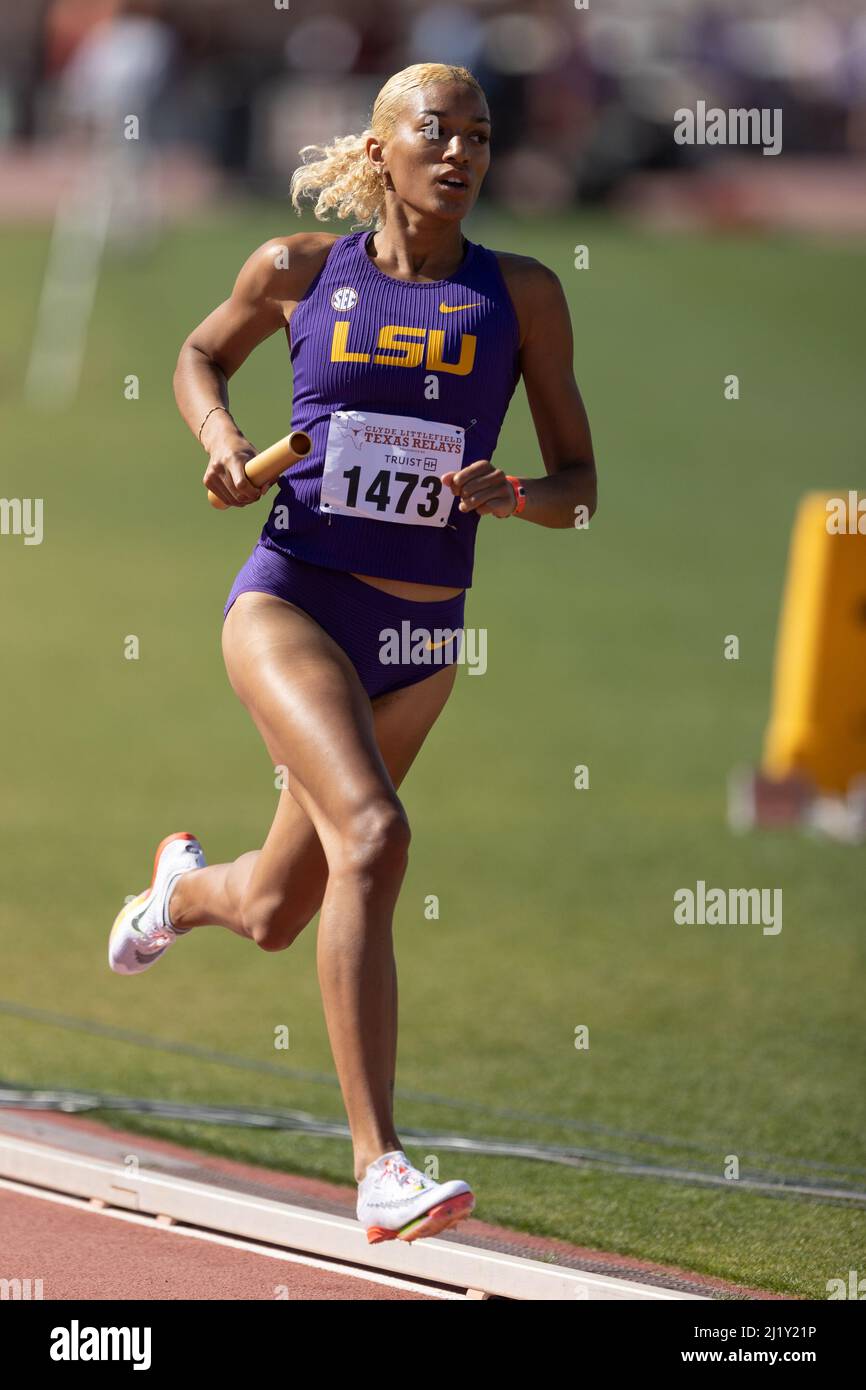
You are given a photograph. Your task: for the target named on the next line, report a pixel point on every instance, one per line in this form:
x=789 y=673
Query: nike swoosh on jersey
x=452 y=308
x=432 y=646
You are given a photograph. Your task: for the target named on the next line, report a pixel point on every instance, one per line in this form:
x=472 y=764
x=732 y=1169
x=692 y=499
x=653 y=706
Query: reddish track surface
x=79 y=1253
x=82 y=1255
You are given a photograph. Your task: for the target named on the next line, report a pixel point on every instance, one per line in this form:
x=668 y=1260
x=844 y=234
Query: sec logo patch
x=344 y=298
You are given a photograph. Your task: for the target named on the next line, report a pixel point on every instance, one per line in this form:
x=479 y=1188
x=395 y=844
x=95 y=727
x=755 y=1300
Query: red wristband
x=519 y=493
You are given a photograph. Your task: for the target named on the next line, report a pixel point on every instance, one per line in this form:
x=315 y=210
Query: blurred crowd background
x=583 y=100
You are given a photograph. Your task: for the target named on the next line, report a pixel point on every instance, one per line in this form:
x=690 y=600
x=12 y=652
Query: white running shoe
x=397 y=1202
x=142 y=929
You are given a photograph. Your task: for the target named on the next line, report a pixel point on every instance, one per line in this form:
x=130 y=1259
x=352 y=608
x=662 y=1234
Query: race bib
x=390 y=467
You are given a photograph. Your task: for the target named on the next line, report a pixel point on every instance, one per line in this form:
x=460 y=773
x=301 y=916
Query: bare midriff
x=421 y=593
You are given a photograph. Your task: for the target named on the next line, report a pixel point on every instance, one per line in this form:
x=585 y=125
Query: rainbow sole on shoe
x=434 y=1221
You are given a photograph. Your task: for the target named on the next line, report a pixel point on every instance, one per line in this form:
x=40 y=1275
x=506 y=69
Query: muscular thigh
x=317 y=721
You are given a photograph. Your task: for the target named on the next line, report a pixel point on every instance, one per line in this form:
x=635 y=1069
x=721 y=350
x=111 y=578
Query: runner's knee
x=273 y=923
x=374 y=843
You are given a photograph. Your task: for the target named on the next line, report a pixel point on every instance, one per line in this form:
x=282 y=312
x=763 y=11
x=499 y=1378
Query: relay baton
x=265 y=467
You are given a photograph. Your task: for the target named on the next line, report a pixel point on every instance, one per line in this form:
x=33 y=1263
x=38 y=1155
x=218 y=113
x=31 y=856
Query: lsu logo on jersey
x=402 y=346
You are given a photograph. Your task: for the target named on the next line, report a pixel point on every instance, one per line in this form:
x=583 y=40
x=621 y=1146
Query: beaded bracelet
x=209 y=414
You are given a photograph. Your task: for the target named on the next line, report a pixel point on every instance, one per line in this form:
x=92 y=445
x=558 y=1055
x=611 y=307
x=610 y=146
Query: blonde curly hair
x=339 y=175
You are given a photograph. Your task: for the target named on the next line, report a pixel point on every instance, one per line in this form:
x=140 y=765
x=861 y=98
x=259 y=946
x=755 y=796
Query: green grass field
x=604 y=648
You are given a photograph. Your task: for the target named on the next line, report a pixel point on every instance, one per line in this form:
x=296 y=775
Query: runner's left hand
x=483 y=489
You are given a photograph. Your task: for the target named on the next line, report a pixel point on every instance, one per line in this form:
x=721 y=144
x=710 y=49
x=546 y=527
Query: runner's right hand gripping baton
x=270 y=463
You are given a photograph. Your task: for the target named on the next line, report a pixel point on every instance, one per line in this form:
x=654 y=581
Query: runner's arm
x=270 y=282
x=561 y=424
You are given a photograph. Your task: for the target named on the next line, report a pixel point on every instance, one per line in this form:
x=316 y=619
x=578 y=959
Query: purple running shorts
x=392 y=642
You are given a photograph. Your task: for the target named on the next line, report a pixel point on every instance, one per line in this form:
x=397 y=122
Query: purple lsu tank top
x=384 y=370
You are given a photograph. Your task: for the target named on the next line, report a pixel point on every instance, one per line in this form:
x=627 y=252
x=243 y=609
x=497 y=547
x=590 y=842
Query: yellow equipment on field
x=817 y=727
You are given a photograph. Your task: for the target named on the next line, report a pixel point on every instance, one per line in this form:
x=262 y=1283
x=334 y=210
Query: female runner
x=407 y=343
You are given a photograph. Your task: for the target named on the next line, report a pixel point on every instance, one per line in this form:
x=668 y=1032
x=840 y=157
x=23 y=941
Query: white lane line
x=233 y=1242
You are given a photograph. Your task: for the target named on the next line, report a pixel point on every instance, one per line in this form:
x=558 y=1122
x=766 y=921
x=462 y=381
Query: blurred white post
x=118 y=73
x=68 y=291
